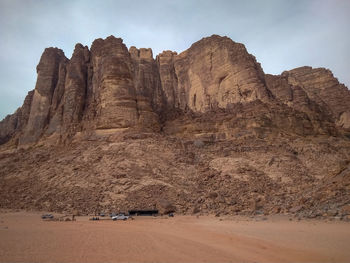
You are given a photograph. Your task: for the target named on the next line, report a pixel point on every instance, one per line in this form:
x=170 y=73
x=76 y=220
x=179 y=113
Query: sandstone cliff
x=213 y=73
x=322 y=87
x=205 y=130
x=109 y=87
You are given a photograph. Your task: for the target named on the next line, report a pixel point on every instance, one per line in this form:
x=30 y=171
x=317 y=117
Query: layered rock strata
x=110 y=88
x=323 y=88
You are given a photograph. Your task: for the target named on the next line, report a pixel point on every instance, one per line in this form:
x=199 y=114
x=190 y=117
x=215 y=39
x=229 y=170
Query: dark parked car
x=47 y=216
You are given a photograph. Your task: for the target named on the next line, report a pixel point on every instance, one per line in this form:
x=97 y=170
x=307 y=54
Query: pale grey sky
x=282 y=34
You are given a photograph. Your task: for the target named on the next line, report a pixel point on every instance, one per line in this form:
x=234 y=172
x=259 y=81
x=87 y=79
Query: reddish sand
x=24 y=237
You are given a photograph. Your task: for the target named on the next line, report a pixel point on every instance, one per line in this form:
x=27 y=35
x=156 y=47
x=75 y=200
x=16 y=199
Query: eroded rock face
x=8 y=127
x=323 y=88
x=112 y=84
x=48 y=77
x=214 y=90
x=213 y=73
x=344 y=120
x=56 y=110
x=168 y=77
x=147 y=86
x=75 y=88
x=296 y=97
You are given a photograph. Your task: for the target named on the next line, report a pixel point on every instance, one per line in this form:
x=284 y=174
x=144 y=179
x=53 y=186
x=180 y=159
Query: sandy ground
x=24 y=237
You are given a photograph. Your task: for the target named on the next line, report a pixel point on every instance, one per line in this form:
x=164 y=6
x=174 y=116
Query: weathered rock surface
x=148 y=87
x=296 y=97
x=109 y=88
x=322 y=87
x=204 y=130
x=213 y=73
x=168 y=77
x=112 y=84
x=75 y=89
x=48 y=77
x=216 y=72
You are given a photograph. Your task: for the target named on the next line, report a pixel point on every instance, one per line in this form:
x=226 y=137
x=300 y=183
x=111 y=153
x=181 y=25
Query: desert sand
x=24 y=237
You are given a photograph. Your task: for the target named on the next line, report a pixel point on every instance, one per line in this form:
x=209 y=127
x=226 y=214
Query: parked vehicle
x=113 y=214
x=120 y=217
x=47 y=216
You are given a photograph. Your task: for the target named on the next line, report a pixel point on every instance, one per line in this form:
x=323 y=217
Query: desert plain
x=25 y=237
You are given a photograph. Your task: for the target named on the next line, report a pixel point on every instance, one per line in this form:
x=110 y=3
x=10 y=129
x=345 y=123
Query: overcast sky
x=282 y=34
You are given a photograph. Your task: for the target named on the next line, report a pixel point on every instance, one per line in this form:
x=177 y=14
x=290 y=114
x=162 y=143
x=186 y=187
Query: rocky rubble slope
x=304 y=176
x=203 y=131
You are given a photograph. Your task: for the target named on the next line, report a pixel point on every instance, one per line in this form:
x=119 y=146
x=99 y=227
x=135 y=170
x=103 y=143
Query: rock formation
x=48 y=78
x=110 y=87
x=205 y=130
x=321 y=86
x=216 y=73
